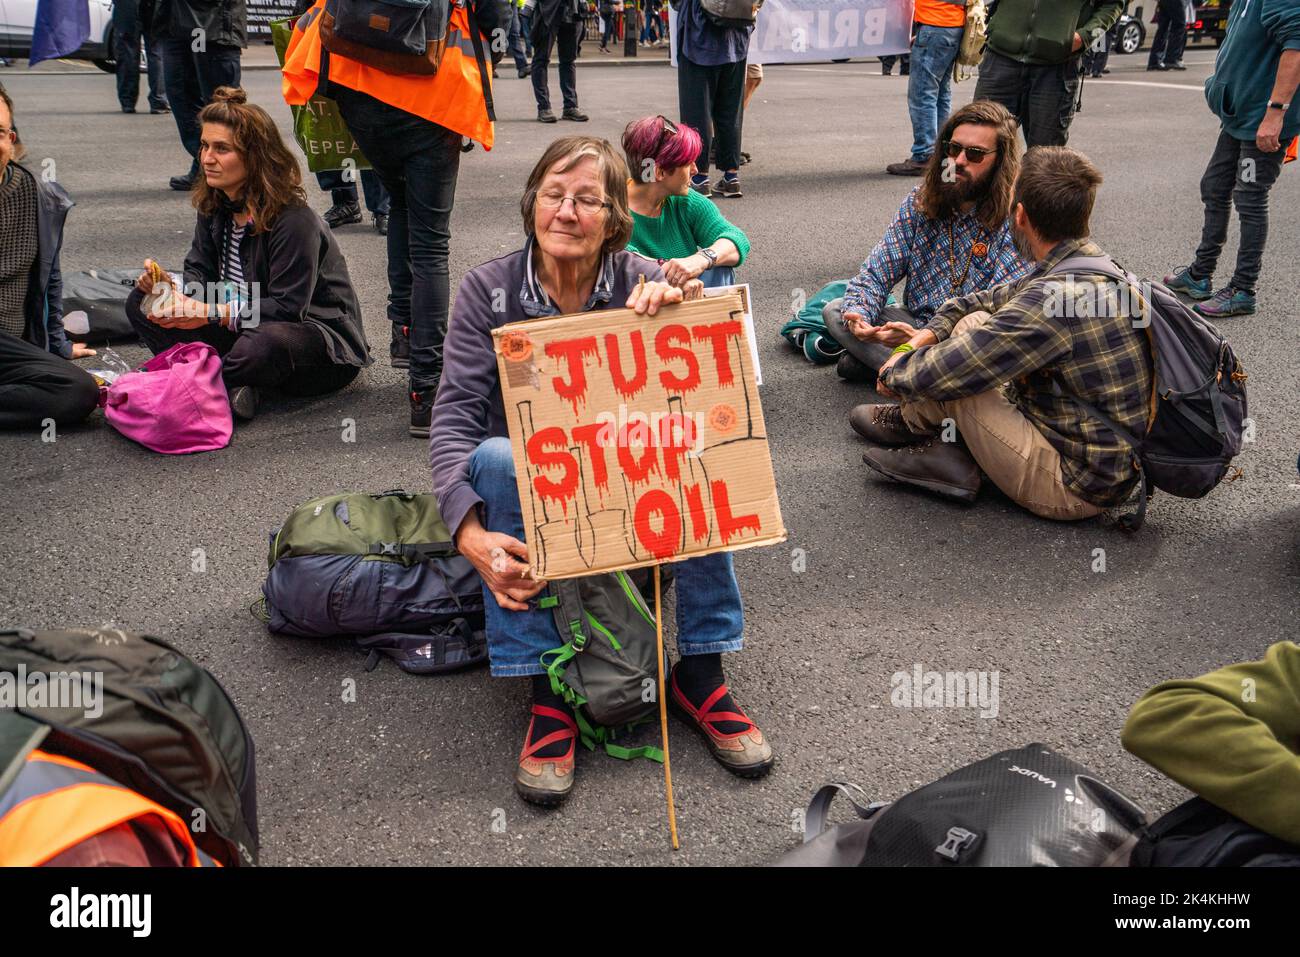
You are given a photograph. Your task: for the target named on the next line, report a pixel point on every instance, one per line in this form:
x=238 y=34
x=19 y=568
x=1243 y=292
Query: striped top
x=235 y=289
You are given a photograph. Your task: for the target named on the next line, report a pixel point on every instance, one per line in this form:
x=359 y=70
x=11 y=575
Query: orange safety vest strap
x=456 y=97
x=56 y=803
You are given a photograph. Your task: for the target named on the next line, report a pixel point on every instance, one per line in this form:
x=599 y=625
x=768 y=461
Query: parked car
x=17 y=18
x=1211 y=22
x=1128 y=34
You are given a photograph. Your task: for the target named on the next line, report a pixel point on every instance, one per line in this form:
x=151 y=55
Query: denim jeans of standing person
x=610 y=32
x=128 y=35
x=929 y=87
x=563 y=34
x=343 y=192
x=191 y=77
x=1239 y=174
x=1171 y=35
x=418 y=162
x=1041 y=96
x=515 y=39
x=710 y=617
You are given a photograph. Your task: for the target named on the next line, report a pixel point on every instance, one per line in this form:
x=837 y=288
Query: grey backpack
x=1029 y=807
x=1198 y=401
x=731 y=13
x=606 y=670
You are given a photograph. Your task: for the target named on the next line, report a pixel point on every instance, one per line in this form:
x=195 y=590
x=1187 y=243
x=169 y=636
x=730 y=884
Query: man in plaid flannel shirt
x=1000 y=369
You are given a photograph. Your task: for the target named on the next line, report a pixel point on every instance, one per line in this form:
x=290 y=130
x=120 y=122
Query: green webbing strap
x=631 y=754
x=549 y=601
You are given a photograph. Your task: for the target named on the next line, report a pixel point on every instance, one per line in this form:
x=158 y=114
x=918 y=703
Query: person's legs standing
x=728 y=95
x=1217 y=184
x=1177 y=36
x=1049 y=108
x=567 y=41
x=377 y=199
x=1156 y=60
x=36 y=385
x=342 y=192
x=543 y=39
x=126 y=43
x=181 y=78
x=695 y=86
x=154 y=67
x=1002 y=80
x=929 y=94
x=219 y=65
x=1256 y=173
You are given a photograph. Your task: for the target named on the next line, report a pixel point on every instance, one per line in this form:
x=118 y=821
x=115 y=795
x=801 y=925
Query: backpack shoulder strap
x=483 y=72
x=814 y=821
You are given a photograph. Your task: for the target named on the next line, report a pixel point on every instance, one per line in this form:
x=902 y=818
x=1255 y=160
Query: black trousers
x=287 y=356
x=130 y=33
x=709 y=98
x=1042 y=98
x=36 y=385
x=872 y=354
x=565 y=35
x=1171 y=35
x=190 y=78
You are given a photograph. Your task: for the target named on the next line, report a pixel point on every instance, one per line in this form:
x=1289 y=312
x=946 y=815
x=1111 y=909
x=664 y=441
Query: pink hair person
x=674 y=149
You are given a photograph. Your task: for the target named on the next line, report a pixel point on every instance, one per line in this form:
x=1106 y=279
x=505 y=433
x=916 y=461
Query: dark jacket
x=44 y=307
x=1042 y=31
x=300 y=272
x=469 y=408
x=1245 y=70
x=223 y=22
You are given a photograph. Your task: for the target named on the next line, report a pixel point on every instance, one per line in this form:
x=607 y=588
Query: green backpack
x=606 y=670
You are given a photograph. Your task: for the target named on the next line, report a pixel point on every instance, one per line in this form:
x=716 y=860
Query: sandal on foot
x=546 y=781
x=745 y=753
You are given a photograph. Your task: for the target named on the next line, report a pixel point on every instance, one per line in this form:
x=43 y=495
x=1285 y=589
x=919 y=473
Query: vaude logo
x=1032 y=774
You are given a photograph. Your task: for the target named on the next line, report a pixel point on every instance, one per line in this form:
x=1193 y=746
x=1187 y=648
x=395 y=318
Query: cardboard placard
x=637 y=439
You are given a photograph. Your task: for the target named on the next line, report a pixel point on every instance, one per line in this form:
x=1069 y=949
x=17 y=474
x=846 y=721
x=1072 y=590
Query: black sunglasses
x=670 y=129
x=974 y=154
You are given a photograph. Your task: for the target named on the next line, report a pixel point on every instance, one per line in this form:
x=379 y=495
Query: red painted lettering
x=661 y=544
x=573 y=352
x=562 y=490
x=718 y=333
x=699 y=518
x=588 y=435
x=627 y=387
x=636 y=471
x=676 y=436
x=729 y=527
x=666 y=351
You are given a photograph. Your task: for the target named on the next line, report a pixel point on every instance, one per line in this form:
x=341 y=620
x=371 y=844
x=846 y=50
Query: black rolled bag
x=162 y=726
x=101 y=295
x=381 y=568
x=1029 y=807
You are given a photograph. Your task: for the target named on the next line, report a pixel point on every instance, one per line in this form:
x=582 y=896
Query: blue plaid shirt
x=919 y=248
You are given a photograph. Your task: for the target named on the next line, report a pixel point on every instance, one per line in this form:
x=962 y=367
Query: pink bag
x=176 y=403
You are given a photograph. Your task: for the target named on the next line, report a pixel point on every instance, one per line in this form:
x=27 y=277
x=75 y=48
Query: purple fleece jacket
x=469 y=409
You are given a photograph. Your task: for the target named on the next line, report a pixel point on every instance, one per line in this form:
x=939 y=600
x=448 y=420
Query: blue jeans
x=341 y=191
x=718 y=276
x=515 y=40
x=710 y=618
x=929 y=86
x=418 y=162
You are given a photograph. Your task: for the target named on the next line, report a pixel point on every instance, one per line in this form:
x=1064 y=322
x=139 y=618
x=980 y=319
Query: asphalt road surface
x=418 y=771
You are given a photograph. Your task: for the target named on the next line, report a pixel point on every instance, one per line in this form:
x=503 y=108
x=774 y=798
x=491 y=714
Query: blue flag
x=62 y=26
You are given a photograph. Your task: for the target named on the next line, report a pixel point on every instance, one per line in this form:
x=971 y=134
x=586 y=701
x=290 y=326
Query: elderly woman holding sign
x=576 y=217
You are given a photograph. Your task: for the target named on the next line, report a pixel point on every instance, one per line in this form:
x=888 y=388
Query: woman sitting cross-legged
x=576 y=218
x=265 y=282
x=671 y=222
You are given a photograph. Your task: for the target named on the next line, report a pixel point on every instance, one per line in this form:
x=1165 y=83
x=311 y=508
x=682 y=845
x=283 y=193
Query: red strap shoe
x=745 y=753
x=547 y=781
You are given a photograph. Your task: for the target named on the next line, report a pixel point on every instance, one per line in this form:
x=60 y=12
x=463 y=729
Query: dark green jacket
x=1231 y=736
x=1042 y=31
x=1246 y=68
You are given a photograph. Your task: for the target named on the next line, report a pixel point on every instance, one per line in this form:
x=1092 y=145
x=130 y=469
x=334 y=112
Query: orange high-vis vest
x=452 y=97
x=55 y=803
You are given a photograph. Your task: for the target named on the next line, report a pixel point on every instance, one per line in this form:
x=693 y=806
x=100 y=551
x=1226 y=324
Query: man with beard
x=994 y=383
x=951 y=237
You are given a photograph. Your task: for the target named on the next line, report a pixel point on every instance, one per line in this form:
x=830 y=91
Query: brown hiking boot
x=942 y=467
x=883 y=424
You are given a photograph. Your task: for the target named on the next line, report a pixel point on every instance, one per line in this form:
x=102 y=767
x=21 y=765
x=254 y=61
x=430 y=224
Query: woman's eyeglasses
x=586 y=204
x=974 y=154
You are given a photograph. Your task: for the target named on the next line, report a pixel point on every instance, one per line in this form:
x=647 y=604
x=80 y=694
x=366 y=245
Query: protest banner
x=637 y=439
x=818 y=31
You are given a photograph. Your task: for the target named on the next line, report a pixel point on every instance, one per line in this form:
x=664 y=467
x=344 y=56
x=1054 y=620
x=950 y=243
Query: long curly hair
x=995 y=205
x=274 y=179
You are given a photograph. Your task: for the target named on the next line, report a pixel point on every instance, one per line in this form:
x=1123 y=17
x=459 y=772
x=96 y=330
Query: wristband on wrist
x=905 y=347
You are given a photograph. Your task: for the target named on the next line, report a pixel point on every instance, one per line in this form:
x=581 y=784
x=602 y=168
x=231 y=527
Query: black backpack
x=1198 y=402
x=167 y=729
x=1198 y=834
x=1029 y=807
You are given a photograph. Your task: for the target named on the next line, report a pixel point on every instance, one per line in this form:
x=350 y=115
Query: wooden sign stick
x=663 y=711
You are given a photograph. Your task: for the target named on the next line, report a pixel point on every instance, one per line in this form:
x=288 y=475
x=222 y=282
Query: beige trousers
x=1007 y=446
